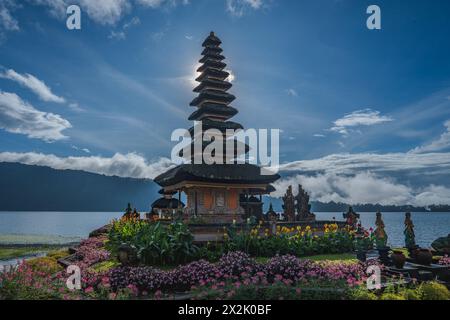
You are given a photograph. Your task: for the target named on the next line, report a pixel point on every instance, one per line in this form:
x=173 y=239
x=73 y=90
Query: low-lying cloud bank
x=346 y=163
x=362 y=188
x=349 y=178
x=371 y=178
x=130 y=165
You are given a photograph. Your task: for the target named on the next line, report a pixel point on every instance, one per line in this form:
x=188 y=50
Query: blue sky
x=352 y=103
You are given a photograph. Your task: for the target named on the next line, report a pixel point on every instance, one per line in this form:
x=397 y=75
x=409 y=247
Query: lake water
x=53 y=225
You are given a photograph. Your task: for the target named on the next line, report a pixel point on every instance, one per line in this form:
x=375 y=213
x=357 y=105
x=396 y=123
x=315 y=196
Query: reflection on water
x=6 y=264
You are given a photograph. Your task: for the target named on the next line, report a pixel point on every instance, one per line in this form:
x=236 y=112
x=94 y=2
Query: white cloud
x=319 y=135
x=370 y=178
x=151 y=3
x=159 y=3
x=86 y=150
x=346 y=163
x=157 y=36
x=121 y=34
x=117 y=35
x=76 y=107
x=291 y=92
x=364 y=187
x=57 y=8
x=238 y=8
x=433 y=195
x=105 y=12
x=129 y=165
x=7 y=21
x=359 y=118
x=18 y=116
x=440 y=144
x=34 y=84
x=133 y=22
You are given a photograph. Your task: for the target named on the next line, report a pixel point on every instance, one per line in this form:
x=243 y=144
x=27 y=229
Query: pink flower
x=134 y=290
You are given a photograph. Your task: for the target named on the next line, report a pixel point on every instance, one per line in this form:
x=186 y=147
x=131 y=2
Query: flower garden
x=137 y=259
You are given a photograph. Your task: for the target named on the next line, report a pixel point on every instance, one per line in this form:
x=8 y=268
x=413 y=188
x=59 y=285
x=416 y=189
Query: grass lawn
x=332 y=257
x=12 y=252
x=17 y=252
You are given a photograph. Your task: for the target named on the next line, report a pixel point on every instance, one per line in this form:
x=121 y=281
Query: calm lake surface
x=429 y=226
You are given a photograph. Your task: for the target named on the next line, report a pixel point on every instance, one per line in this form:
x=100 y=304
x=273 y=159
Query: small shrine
x=271 y=215
x=166 y=206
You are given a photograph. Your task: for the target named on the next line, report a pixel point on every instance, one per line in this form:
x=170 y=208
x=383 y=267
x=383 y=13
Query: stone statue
x=380 y=234
x=410 y=238
x=302 y=205
x=351 y=218
x=289 y=205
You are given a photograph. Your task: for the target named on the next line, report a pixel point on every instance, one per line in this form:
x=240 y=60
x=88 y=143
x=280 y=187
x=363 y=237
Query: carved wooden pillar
x=196 y=203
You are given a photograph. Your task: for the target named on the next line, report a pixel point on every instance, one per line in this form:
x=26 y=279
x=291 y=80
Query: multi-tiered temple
x=218 y=192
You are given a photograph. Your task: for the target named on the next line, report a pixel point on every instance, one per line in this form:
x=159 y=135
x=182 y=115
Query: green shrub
x=412 y=294
x=253 y=240
x=434 y=291
x=105 y=265
x=391 y=296
x=58 y=254
x=362 y=293
x=155 y=243
x=44 y=264
x=124 y=230
x=273 y=291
